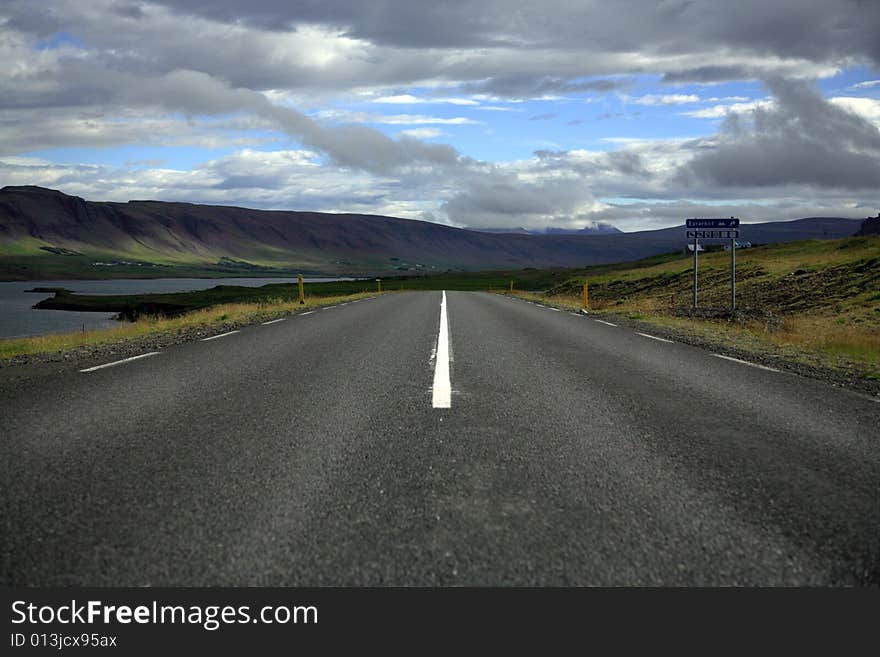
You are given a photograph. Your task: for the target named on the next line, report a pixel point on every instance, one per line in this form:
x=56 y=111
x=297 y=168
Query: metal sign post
x=715 y=229
x=696 y=246
x=732 y=275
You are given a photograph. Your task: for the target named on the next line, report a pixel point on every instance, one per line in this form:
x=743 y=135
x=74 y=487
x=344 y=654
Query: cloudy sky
x=498 y=113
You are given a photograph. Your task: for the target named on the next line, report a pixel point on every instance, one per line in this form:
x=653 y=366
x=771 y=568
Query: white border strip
x=442 y=395
x=120 y=362
x=745 y=362
x=274 y=321
x=654 y=337
x=222 y=335
x=602 y=321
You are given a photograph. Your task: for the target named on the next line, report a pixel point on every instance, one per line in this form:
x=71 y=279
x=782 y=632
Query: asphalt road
x=308 y=452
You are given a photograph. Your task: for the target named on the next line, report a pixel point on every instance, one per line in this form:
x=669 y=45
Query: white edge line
x=307 y=313
x=274 y=321
x=222 y=335
x=602 y=321
x=119 y=362
x=745 y=362
x=556 y=309
x=442 y=390
x=653 y=337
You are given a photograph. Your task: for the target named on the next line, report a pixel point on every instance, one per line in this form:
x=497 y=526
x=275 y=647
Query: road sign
x=713 y=234
x=715 y=229
x=733 y=222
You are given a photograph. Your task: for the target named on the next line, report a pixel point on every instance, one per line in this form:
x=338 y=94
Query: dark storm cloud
x=197 y=94
x=506 y=48
x=709 y=74
x=349 y=145
x=529 y=86
x=816 y=31
x=498 y=199
x=400 y=23
x=802 y=139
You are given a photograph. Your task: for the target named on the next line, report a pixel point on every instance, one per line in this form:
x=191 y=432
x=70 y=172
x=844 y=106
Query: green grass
x=814 y=301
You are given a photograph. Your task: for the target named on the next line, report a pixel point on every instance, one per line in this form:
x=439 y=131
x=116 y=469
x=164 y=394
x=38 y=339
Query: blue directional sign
x=732 y=222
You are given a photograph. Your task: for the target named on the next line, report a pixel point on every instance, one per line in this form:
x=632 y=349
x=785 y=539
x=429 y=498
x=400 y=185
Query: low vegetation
x=146 y=326
x=814 y=302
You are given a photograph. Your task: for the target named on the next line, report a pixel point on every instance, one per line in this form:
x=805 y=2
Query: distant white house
x=689 y=248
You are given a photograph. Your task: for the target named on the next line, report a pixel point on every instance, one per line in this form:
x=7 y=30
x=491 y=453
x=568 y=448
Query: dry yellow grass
x=239 y=313
x=824 y=340
x=859 y=341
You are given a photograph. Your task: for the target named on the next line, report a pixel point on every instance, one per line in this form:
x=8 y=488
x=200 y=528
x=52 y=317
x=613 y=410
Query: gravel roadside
x=847 y=375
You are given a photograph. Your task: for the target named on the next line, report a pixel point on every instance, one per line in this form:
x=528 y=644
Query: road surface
x=323 y=450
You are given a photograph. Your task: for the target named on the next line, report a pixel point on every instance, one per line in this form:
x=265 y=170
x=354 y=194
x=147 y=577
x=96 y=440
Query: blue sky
x=501 y=114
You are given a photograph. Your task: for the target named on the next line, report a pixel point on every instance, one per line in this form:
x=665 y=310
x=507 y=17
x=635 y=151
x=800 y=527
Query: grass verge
x=205 y=319
x=819 y=346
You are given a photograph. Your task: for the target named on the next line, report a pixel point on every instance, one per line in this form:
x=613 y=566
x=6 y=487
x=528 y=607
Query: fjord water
x=19 y=319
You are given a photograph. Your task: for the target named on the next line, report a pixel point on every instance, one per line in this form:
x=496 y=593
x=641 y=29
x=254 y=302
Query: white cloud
x=408 y=99
x=722 y=110
x=496 y=108
x=403 y=99
x=867 y=108
x=348 y=116
x=665 y=99
x=422 y=133
x=726 y=99
x=867 y=84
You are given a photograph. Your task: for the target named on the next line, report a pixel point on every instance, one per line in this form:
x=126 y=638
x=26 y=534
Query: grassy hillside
x=816 y=301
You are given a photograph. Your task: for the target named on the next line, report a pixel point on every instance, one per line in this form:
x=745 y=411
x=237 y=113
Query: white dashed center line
x=442 y=392
x=222 y=335
x=745 y=362
x=119 y=362
x=653 y=337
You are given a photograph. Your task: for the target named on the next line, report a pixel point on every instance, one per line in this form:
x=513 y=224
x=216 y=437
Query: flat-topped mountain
x=46 y=231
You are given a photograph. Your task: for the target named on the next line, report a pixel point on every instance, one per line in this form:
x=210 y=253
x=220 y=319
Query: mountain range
x=600 y=228
x=42 y=231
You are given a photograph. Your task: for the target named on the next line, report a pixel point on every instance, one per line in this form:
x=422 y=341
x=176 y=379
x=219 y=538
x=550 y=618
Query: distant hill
x=870 y=226
x=45 y=233
x=599 y=229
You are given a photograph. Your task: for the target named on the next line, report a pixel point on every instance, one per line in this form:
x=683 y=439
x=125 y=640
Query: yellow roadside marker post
x=511 y=285
x=379 y=282
x=302 y=296
x=586 y=298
